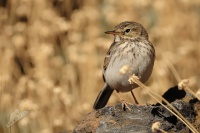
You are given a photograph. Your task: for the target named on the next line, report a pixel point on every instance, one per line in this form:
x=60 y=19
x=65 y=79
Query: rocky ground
x=114 y=119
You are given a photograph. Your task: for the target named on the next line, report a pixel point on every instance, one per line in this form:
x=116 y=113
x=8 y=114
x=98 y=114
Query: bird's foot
x=125 y=105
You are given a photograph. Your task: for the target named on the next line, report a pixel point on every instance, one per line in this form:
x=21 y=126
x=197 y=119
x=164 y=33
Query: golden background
x=52 y=52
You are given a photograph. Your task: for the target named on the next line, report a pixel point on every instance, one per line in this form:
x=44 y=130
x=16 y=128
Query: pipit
x=132 y=48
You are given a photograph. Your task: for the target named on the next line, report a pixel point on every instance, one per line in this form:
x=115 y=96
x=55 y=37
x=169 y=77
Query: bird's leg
x=134 y=97
x=124 y=104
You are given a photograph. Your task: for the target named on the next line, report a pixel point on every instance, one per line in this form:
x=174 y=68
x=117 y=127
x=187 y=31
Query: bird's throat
x=117 y=38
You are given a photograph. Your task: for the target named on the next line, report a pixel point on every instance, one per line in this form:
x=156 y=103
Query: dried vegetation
x=52 y=51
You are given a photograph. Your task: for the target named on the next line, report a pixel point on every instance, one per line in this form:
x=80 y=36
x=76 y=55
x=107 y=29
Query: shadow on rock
x=113 y=119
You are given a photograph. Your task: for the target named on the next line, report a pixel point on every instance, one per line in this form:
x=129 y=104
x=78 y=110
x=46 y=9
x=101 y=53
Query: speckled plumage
x=130 y=47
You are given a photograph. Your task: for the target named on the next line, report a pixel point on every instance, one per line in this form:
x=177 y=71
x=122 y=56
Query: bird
x=131 y=46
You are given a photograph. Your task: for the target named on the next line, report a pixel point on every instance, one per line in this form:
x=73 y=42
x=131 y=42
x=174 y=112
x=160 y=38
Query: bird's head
x=128 y=30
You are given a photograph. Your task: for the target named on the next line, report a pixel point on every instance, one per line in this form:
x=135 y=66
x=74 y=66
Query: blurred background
x=52 y=52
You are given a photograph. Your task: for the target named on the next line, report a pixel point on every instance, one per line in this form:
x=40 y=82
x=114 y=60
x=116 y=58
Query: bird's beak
x=113 y=32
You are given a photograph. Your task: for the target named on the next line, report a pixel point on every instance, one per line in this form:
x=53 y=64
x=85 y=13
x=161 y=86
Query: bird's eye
x=127 y=30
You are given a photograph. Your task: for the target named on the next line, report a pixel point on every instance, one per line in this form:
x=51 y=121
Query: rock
x=139 y=120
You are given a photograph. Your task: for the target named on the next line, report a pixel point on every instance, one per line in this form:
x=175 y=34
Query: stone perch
x=113 y=119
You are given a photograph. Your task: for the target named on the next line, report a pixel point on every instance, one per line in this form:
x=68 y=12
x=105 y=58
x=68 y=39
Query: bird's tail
x=103 y=97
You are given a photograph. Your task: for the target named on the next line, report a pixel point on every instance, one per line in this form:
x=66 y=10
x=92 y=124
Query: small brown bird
x=130 y=47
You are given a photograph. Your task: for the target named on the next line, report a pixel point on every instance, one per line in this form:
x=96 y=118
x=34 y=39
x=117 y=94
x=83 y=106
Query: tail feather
x=103 y=97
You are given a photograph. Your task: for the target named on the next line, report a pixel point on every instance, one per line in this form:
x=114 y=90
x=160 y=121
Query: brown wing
x=107 y=59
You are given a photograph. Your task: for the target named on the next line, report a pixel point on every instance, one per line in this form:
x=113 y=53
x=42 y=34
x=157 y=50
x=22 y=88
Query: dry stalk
x=174 y=111
x=179 y=80
x=156 y=127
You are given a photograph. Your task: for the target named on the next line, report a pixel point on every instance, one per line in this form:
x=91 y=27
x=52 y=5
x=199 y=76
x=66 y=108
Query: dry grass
x=51 y=55
x=134 y=79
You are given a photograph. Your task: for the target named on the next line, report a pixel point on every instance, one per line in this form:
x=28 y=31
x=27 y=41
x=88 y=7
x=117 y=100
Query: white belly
x=141 y=65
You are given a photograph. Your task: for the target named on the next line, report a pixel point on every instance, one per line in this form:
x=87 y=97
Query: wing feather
x=107 y=58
